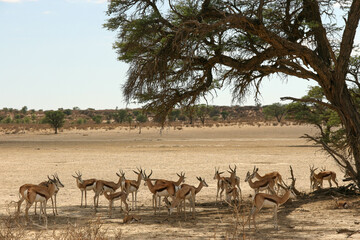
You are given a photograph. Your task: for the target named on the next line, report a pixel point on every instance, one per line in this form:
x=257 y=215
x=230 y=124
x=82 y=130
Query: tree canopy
x=55 y=119
x=275 y=110
x=181 y=50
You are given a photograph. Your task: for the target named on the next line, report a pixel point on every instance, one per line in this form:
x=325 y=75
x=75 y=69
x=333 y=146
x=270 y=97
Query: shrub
x=97 y=119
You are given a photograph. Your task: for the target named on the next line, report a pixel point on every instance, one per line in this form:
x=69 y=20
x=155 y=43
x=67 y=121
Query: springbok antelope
x=53 y=198
x=273 y=175
x=260 y=185
x=162 y=190
x=221 y=183
x=114 y=197
x=231 y=193
x=234 y=180
x=40 y=194
x=176 y=183
x=266 y=200
x=84 y=186
x=224 y=183
x=202 y=183
x=131 y=186
x=102 y=186
x=25 y=187
x=317 y=179
x=185 y=192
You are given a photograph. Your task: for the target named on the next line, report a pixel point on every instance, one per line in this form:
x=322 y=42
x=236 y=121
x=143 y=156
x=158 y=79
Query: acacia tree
x=276 y=110
x=55 y=119
x=180 y=52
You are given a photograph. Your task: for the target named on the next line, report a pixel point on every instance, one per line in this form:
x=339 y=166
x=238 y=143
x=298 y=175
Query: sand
x=30 y=157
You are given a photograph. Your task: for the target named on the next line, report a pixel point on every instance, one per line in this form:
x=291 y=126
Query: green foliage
x=7 y=120
x=213 y=111
x=129 y=119
x=26 y=120
x=202 y=111
x=141 y=118
x=97 y=119
x=81 y=121
x=68 y=112
x=136 y=113
x=33 y=117
x=275 y=110
x=174 y=115
x=24 y=110
x=120 y=116
x=224 y=115
x=325 y=119
x=55 y=119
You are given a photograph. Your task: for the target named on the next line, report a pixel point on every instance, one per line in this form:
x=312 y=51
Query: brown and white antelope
x=53 y=198
x=84 y=186
x=166 y=189
x=202 y=183
x=185 y=192
x=176 y=183
x=260 y=185
x=131 y=186
x=26 y=187
x=273 y=175
x=221 y=183
x=111 y=197
x=266 y=200
x=317 y=179
x=234 y=180
x=231 y=193
x=102 y=186
x=40 y=194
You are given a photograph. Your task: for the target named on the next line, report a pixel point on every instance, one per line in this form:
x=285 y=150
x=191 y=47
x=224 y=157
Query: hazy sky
x=55 y=54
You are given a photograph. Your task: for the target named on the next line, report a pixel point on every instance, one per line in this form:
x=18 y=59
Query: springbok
x=317 y=179
x=84 y=186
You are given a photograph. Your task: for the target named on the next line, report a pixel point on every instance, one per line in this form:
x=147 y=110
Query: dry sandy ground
x=30 y=157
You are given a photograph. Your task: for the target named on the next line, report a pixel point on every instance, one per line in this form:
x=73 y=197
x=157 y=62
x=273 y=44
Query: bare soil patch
x=30 y=157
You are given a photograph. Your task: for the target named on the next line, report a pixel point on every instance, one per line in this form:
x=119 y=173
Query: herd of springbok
x=177 y=191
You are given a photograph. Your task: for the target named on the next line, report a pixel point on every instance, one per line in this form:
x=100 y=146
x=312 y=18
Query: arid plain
x=30 y=157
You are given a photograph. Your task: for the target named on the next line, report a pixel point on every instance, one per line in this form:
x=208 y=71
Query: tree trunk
x=340 y=97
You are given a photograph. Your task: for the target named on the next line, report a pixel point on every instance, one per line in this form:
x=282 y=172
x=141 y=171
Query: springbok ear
x=136 y=172
x=73 y=176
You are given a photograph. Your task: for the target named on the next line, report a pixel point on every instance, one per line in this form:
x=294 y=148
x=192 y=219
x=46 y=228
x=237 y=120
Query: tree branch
x=310 y=100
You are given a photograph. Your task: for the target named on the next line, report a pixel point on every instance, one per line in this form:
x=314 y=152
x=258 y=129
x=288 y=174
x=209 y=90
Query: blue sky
x=55 y=54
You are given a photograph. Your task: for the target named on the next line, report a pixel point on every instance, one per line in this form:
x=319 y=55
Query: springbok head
x=78 y=176
x=181 y=176
x=217 y=173
x=202 y=181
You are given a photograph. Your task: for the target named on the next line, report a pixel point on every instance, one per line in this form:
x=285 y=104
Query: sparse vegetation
x=90 y=118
